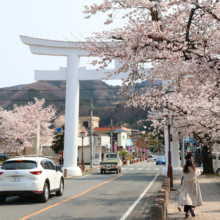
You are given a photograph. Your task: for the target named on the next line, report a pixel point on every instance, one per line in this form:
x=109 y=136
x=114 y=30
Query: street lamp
x=82 y=134
x=169 y=122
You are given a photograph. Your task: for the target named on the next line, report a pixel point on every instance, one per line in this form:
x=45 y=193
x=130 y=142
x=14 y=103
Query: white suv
x=30 y=176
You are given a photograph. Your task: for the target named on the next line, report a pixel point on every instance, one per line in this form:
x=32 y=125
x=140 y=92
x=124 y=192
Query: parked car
x=111 y=162
x=161 y=160
x=154 y=157
x=35 y=176
x=150 y=158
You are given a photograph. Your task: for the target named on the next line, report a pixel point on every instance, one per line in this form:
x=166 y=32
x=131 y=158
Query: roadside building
x=101 y=144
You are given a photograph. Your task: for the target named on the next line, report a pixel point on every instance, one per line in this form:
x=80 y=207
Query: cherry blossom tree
x=20 y=124
x=180 y=39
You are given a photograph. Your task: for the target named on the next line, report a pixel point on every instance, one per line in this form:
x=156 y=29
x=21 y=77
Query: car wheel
x=101 y=171
x=218 y=171
x=45 y=196
x=60 y=192
x=2 y=199
x=104 y=172
x=117 y=171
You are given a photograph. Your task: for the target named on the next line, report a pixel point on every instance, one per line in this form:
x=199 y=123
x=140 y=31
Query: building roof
x=99 y=133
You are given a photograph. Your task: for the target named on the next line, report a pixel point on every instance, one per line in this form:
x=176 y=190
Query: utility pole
x=91 y=133
x=111 y=137
x=38 y=138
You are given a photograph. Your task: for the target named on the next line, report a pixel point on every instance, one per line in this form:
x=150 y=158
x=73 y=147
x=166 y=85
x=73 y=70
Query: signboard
x=120 y=130
x=192 y=141
x=96 y=158
x=115 y=137
x=128 y=142
x=115 y=148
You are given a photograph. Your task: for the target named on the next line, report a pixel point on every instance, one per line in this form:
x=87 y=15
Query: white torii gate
x=72 y=74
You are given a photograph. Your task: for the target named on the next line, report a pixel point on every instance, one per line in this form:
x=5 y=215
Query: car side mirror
x=58 y=168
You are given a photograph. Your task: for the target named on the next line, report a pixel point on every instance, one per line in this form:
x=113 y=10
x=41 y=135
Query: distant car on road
x=161 y=160
x=150 y=158
x=35 y=176
x=154 y=157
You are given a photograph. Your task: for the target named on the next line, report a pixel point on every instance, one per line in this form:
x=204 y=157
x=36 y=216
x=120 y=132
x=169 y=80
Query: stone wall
x=158 y=210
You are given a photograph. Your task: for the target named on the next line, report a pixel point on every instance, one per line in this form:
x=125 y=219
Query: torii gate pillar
x=72 y=74
x=71 y=116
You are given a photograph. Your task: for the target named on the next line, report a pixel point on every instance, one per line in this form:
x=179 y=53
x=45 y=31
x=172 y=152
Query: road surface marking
x=156 y=169
x=148 y=169
x=140 y=168
x=66 y=200
x=83 y=176
x=130 y=168
x=124 y=168
x=138 y=200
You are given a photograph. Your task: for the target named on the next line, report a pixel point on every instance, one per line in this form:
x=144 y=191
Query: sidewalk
x=210 y=190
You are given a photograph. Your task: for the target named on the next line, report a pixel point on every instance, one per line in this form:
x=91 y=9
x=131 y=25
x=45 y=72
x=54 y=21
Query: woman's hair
x=187 y=165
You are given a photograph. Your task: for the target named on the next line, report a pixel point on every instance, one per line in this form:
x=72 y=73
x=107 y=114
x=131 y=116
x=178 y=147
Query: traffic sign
x=120 y=130
x=59 y=129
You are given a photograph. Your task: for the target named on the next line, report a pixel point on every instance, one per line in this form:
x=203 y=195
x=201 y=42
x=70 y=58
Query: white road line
x=124 y=168
x=148 y=169
x=130 y=168
x=156 y=169
x=138 y=200
x=140 y=168
x=83 y=176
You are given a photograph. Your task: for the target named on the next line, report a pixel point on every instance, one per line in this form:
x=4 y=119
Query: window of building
x=86 y=124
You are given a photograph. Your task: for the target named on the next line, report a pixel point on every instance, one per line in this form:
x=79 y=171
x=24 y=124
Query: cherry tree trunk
x=207 y=161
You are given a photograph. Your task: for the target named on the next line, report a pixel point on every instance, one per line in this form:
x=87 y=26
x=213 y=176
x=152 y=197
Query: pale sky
x=47 y=19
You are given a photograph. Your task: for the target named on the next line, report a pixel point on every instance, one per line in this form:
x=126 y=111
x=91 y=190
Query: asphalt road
x=108 y=196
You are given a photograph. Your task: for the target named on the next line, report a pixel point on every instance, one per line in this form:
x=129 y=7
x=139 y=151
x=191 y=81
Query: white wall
x=85 y=141
x=86 y=151
x=121 y=141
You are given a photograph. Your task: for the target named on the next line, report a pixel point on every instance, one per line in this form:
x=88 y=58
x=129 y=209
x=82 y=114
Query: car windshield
x=19 y=165
x=111 y=156
x=149 y=156
x=161 y=158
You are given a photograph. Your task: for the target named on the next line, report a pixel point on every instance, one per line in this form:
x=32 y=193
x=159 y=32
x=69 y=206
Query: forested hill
x=107 y=103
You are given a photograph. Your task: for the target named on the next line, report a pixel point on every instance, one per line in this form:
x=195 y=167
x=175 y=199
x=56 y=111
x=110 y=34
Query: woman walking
x=190 y=195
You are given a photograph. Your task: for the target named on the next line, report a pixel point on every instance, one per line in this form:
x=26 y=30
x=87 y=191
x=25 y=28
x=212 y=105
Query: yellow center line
x=56 y=204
